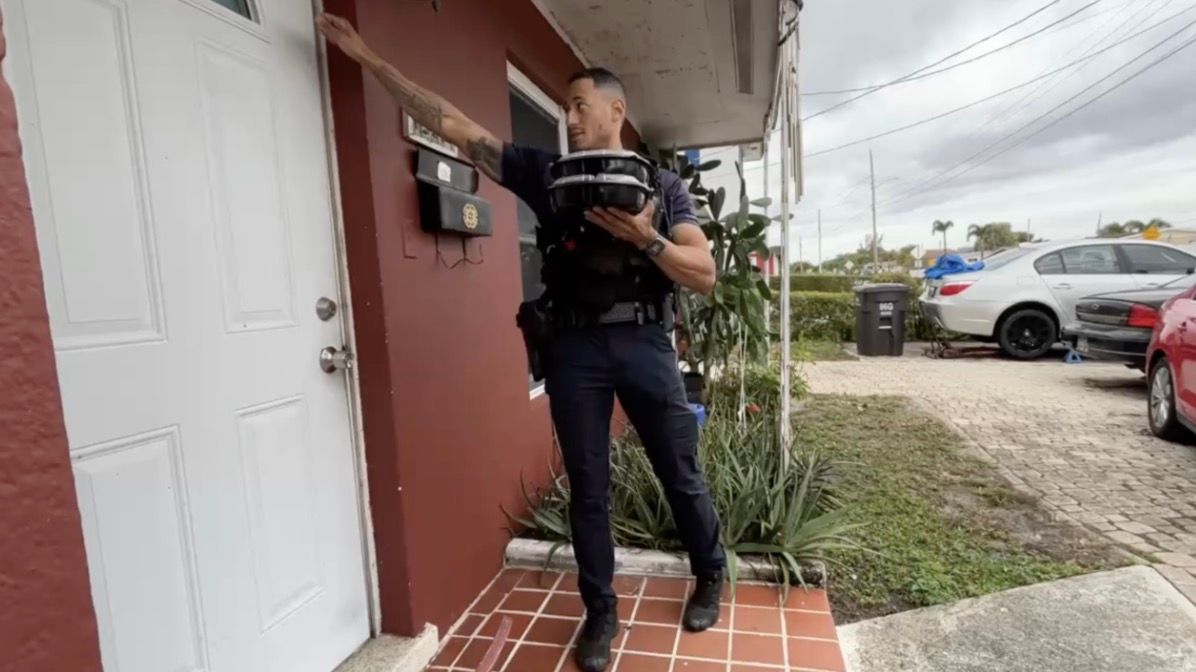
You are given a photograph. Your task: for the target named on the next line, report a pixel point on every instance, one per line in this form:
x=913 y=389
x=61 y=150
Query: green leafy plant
x=714 y=326
x=822 y=308
x=761 y=383
x=812 y=282
x=787 y=514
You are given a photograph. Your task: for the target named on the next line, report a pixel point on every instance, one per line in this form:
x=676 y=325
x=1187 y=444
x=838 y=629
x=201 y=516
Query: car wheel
x=1161 y=399
x=1027 y=334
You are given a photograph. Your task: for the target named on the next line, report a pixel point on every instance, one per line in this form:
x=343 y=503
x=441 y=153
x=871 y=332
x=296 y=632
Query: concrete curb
x=533 y=554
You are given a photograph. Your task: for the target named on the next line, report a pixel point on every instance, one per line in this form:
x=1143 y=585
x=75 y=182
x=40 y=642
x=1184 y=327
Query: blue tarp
x=949 y=264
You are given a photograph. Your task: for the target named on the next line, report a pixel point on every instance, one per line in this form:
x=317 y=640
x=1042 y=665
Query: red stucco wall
x=449 y=425
x=46 y=618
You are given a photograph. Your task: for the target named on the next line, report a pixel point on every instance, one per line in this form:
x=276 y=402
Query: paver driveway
x=1073 y=435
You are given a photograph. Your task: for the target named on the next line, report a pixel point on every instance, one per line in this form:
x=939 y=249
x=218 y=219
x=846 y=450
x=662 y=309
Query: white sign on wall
x=422 y=135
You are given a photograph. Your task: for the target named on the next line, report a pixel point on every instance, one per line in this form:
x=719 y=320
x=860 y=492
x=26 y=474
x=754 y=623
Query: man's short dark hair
x=602 y=78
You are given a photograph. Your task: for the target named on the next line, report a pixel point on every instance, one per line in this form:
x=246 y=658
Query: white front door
x=177 y=163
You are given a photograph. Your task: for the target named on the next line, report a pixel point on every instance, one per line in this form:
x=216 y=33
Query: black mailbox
x=447 y=203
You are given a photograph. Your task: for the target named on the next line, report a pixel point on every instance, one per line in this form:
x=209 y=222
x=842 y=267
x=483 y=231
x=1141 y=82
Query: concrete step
x=394 y=654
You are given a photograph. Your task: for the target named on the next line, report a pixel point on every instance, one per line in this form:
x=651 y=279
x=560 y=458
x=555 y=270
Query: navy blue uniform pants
x=586 y=369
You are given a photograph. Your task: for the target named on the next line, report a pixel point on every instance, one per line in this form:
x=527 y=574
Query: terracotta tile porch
x=757 y=632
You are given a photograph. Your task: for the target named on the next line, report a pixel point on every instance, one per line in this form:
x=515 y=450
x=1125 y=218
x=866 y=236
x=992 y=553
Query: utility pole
x=1099 y=218
x=820 y=241
x=875 y=246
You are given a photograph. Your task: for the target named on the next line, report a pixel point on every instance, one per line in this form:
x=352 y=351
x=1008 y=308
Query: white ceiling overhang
x=698 y=73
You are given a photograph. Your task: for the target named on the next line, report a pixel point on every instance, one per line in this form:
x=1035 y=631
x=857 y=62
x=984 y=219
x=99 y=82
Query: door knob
x=333 y=360
x=325 y=308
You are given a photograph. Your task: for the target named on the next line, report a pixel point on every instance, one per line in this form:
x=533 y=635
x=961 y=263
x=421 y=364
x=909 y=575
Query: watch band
x=655 y=247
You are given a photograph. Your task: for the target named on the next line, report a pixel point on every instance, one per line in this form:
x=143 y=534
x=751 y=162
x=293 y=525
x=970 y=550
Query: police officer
x=615 y=346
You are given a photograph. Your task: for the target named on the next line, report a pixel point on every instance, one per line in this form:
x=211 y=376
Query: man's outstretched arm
x=427 y=108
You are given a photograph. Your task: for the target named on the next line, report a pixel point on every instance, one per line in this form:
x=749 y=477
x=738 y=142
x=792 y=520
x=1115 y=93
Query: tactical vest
x=588 y=270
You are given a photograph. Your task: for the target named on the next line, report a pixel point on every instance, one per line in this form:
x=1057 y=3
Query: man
x=619 y=347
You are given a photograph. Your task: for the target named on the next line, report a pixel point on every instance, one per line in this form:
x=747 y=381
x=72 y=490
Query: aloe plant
x=789 y=515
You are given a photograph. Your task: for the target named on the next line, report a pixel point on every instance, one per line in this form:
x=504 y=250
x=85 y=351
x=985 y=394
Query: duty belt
x=638 y=312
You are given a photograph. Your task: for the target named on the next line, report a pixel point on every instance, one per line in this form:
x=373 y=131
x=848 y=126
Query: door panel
x=102 y=282
x=251 y=223
x=1181 y=317
x=138 y=537
x=178 y=173
x=1087 y=270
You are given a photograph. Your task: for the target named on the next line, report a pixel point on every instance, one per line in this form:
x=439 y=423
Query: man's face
x=594 y=116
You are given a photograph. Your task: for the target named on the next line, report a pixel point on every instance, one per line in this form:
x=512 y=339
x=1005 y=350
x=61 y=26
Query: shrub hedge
x=822 y=308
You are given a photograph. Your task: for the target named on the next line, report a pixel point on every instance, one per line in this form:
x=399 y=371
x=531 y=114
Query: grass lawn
x=940 y=525
x=822 y=351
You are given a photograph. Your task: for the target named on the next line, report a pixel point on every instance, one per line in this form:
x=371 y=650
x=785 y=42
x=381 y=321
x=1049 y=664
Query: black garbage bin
x=880 y=319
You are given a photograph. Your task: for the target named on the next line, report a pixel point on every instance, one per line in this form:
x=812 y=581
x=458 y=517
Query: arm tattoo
x=486 y=154
x=421 y=108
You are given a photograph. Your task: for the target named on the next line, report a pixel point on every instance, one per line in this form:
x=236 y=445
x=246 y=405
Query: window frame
x=552 y=108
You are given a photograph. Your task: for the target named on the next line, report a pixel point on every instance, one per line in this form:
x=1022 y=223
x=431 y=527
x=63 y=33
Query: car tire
x=1160 y=402
x=1027 y=334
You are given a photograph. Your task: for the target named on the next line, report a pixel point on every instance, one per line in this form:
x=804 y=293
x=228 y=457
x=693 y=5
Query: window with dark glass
x=1051 y=264
x=1161 y=260
x=239 y=6
x=1091 y=260
x=531 y=126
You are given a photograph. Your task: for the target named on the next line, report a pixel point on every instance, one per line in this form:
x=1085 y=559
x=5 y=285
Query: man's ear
x=618 y=108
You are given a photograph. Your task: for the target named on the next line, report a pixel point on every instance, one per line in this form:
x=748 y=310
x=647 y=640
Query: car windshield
x=1004 y=257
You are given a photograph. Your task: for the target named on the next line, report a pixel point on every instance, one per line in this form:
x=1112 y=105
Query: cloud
x=1131 y=154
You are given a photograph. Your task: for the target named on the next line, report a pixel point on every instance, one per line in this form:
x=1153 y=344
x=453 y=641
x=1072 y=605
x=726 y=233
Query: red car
x=1171 y=367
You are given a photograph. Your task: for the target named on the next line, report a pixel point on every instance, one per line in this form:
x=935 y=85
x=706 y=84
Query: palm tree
x=979 y=233
x=941 y=227
x=1112 y=230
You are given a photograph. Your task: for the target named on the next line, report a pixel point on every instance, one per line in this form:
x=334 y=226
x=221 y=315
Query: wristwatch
x=655 y=247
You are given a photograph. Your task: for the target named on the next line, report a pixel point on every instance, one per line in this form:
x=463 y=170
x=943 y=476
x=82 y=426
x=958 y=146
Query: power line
x=1004 y=112
x=1090 y=17
x=994 y=96
x=1118 y=85
x=943 y=59
x=914 y=76
x=1035 y=95
x=917 y=189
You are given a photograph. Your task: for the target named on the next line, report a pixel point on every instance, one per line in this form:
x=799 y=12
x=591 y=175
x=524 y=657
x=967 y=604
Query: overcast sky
x=1130 y=155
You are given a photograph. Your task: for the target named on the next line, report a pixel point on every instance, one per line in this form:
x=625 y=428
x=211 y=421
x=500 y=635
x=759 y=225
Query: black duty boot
x=593 y=646
x=701 y=612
